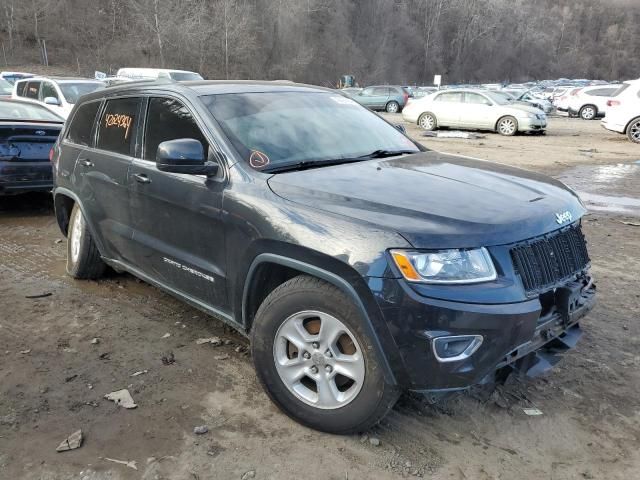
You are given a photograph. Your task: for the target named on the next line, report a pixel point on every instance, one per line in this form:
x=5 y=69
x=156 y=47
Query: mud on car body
x=359 y=263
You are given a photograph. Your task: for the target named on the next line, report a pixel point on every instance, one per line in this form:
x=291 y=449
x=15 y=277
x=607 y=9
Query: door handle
x=86 y=163
x=141 y=178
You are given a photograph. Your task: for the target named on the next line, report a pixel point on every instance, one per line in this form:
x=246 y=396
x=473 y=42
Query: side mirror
x=51 y=101
x=401 y=128
x=184 y=155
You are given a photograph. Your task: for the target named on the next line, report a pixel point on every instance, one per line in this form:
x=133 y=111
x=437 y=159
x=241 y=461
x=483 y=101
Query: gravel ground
x=54 y=375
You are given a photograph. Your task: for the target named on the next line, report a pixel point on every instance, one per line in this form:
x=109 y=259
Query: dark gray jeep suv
x=359 y=263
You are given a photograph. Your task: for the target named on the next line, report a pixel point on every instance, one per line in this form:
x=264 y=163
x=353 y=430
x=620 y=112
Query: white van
x=149 y=73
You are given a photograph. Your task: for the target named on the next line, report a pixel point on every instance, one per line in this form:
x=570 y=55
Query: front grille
x=546 y=261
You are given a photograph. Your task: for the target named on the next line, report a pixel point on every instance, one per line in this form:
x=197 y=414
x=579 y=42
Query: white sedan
x=474 y=109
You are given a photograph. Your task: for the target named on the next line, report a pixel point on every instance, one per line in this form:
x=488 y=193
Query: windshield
x=277 y=128
x=5 y=87
x=24 y=111
x=73 y=91
x=499 y=98
x=184 y=76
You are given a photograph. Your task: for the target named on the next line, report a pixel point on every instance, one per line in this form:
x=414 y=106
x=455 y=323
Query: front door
x=177 y=218
x=478 y=111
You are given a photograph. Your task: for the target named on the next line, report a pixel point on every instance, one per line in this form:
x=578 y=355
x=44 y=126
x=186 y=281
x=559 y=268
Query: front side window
x=117 y=125
x=476 y=99
x=168 y=119
x=48 y=90
x=5 y=87
x=367 y=91
x=271 y=129
x=72 y=91
x=82 y=124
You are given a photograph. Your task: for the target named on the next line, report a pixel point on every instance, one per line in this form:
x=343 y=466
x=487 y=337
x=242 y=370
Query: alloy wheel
x=634 y=131
x=392 y=107
x=427 y=122
x=507 y=126
x=76 y=236
x=588 y=113
x=319 y=360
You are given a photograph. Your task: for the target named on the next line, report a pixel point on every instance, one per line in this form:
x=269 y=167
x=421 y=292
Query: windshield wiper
x=386 y=153
x=304 y=164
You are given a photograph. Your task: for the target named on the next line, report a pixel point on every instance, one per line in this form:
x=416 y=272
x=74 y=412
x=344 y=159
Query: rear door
x=447 y=106
x=178 y=236
x=101 y=174
x=380 y=97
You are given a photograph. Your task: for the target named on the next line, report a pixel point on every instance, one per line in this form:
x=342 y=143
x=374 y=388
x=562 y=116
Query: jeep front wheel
x=315 y=360
x=83 y=258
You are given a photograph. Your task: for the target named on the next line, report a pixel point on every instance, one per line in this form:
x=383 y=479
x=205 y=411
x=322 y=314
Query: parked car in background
x=58 y=93
x=390 y=98
x=5 y=88
x=623 y=111
x=590 y=102
x=152 y=73
x=27 y=134
x=424 y=91
x=12 y=77
x=562 y=102
x=351 y=90
x=475 y=109
x=527 y=97
x=360 y=264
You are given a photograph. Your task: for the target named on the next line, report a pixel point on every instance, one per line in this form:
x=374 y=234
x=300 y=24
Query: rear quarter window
x=117 y=125
x=81 y=126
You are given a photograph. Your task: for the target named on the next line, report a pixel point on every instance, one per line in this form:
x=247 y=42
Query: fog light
x=455 y=348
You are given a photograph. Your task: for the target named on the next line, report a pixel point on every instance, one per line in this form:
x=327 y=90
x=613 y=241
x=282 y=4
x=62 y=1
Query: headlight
x=445 y=266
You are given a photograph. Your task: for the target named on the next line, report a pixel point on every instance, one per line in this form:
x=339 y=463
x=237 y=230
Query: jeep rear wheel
x=392 y=107
x=83 y=258
x=314 y=359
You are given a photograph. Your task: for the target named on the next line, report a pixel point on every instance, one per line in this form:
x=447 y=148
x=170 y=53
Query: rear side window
x=449 y=97
x=82 y=124
x=21 y=89
x=168 y=119
x=33 y=90
x=602 y=92
x=117 y=125
x=382 y=91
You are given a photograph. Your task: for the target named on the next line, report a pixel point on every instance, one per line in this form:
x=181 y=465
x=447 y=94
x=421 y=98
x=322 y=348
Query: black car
x=359 y=263
x=27 y=134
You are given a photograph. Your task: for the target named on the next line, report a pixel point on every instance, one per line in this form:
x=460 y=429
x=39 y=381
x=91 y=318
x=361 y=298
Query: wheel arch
x=63 y=201
x=288 y=267
x=626 y=127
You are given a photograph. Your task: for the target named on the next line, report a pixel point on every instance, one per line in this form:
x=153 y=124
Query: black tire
x=303 y=293
x=428 y=121
x=588 y=112
x=392 y=107
x=507 y=126
x=86 y=262
x=633 y=130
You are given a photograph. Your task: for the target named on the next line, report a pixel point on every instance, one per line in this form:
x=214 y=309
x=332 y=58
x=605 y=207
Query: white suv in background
x=591 y=102
x=58 y=94
x=623 y=111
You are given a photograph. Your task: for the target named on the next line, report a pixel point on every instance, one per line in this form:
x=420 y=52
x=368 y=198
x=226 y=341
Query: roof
x=209 y=87
x=60 y=79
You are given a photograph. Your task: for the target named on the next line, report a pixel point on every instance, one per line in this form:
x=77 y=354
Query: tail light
x=613 y=103
x=405 y=95
x=51 y=154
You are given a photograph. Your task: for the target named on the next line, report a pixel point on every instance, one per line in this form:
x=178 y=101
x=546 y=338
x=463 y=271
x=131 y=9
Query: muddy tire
x=633 y=130
x=392 y=107
x=83 y=257
x=315 y=360
x=507 y=126
x=588 y=112
x=427 y=121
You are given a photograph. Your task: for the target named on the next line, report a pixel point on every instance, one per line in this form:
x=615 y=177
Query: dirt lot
x=53 y=378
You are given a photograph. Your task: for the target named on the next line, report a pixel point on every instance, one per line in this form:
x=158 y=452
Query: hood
x=525 y=106
x=436 y=200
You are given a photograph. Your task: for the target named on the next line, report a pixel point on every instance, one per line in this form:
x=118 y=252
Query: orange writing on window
x=118 y=121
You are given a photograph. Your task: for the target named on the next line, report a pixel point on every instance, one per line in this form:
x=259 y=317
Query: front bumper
x=511 y=333
x=531 y=124
x=19 y=177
